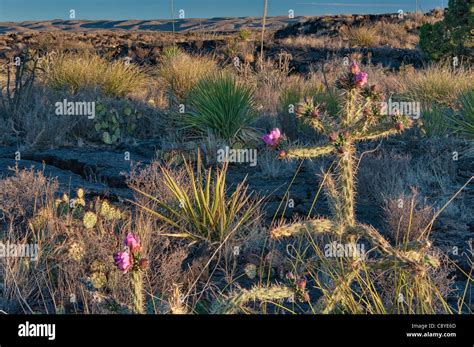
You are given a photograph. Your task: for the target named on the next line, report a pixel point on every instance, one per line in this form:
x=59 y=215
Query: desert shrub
x=439 y=83
x=76 y=72
x=407 y=219
x=37 y=124
x=201 y=209
x=16 y=83
x=245 y=34
x=379 y=34
x=395 y=35
x=221 y=105
x=23 y=194
x=363 y=36
x=171 y=51
x=72 y=272
x=463 y=122
x=180 y=72
x=451 y=37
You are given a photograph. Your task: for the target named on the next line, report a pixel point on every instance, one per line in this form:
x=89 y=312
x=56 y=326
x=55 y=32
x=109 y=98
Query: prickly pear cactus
x=113 y=123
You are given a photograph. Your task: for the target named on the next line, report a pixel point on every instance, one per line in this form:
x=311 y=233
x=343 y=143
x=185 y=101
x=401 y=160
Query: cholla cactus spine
x=240 y=298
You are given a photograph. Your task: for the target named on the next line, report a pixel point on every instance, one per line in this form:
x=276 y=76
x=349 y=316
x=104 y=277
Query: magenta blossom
x=123 y=260
x=354 y=68
x=361 y=79
x=272 y=138
x=132 y=242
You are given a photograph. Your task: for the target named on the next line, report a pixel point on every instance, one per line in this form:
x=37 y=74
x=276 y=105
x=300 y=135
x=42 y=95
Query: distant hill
x=194 y=24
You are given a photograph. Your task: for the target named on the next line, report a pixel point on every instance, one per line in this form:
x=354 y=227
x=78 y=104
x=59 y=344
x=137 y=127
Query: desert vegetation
x=212 y=173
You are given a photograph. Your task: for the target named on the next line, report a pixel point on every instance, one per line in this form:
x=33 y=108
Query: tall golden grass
x=75 y=72
x=180 y=72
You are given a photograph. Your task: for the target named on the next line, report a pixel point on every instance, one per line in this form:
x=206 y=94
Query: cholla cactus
x=360 y=119
x=130 y=261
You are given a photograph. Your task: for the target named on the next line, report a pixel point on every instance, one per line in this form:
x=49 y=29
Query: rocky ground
x=104 y=171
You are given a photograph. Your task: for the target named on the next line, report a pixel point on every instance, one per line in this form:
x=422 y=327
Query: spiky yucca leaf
x=463 y=124
x=204 y=211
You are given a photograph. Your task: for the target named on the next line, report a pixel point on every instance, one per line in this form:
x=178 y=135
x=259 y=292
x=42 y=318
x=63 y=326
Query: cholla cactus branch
x=414 y=254
x=378 y=131
x=312 y=226
x=314 y=152
x=234 y=303
x=347 y=187
x=137 y=292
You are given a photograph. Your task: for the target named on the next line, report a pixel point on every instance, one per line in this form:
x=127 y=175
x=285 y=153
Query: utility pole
x=172 y=15
x=264 y=23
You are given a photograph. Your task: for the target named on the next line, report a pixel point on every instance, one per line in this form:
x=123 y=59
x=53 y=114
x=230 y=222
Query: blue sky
x=22 y=10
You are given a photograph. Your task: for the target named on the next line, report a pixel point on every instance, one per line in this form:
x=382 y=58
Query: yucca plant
x=204 y=211
x=463 y=124
x=222 y=106
x=436 y=121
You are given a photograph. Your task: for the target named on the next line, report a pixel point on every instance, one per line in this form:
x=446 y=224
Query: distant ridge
x=181 y=25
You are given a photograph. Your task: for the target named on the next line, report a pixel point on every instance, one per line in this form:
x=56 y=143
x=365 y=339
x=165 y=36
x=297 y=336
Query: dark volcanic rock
x=98 y=165
x=330 y=25
x=68 y=181
x=386 y=56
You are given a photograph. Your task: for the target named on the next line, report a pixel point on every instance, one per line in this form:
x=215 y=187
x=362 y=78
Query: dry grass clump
x=38 y=124
x=76 y=72
x=398 y=35
x=21 y=195
x=269 y=79
x=437 y=84
x=406 y=220
x=364 y=36
x=180 y=72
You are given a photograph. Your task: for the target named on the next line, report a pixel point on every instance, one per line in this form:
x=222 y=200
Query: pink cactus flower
x=123 y=260
x=361 y=79
x=354 y=68
x=132 y=242
x=272 y=138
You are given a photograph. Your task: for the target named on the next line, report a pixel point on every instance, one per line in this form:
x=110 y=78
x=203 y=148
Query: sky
x=35 y=10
